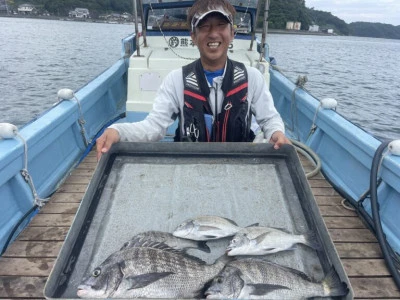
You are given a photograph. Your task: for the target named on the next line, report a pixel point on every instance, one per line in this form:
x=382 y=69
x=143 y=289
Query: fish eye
x=96 y=272
x=219 y=279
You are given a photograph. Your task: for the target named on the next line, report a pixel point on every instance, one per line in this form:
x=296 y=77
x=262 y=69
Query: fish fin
x=260 y=289
x=294 y=247
x=208 y=228
x=270 y=250
x=297 y=272
x=202 y=245
x=282 y=229
x=312 y=241
x=210 y=237
x=139 y=281
x=334 y=285
x=200 y=294
x=230 y=221
x=144 y=242
x=253 y=225
x=125 y=245
x=259 y=239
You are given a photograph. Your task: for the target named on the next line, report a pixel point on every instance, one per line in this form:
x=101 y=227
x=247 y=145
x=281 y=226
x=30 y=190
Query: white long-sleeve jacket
x=169 y=101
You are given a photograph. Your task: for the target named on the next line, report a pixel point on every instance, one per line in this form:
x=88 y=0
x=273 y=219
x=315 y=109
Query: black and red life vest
x=232 y=123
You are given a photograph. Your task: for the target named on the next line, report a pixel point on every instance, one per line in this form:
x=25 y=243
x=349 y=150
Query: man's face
x=213 y=36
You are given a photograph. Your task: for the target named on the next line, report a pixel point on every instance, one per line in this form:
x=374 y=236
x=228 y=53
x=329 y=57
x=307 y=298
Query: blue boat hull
x=56 y=145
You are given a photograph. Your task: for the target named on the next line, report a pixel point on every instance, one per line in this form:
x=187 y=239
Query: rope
x=81 y=122
x=162 y=33
x=301 y=81
x=310 y=155
x=27 y=177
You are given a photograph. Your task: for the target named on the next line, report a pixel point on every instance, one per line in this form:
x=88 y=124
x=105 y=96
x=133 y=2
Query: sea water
x=39 y=57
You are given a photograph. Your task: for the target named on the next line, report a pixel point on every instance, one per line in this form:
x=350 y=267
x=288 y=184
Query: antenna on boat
x=144 y=29
x=253 y=35
x=265 y=29
x=135 y=14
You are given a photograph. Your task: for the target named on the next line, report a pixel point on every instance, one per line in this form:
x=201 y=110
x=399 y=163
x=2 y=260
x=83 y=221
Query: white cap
x=198 y=17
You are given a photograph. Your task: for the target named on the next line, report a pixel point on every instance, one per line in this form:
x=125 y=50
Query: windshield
x=175 y=19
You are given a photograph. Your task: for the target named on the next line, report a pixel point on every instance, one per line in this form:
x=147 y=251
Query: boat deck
x=26 y=264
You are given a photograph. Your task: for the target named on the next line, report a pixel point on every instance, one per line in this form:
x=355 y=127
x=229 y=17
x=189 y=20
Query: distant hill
x=280 y=12
x=326 y=20
x=378 y=30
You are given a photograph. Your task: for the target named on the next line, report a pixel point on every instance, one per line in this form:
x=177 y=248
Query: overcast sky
x=382 y=11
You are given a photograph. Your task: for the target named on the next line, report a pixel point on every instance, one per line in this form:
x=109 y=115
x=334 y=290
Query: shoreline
x=55 y=18
x=299 y=32
x=270 y=31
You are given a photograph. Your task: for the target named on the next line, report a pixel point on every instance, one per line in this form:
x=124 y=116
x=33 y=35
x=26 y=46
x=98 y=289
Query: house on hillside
x=290 y=25
x=313 y=28
x=82 y=13
x=26 y=9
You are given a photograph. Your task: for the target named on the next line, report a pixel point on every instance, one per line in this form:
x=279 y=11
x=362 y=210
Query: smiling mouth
x=213 y=44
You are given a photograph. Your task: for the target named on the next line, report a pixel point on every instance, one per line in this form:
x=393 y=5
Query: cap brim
x=196 y=20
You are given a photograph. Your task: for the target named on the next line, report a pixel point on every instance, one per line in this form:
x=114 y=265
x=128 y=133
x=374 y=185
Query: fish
x=266 y=240
x=204 y=228
x=149 y=269
x=253 y=278
x=170 y=240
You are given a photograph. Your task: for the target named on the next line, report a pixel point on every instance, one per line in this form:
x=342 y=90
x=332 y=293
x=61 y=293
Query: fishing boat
x=36 y=161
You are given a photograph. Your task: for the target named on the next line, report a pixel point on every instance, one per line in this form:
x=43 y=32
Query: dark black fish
x=148 y=269
x=259 y=279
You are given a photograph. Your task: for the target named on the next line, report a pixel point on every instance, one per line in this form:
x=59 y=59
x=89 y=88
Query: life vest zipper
x=216 y=122
x=227 y=108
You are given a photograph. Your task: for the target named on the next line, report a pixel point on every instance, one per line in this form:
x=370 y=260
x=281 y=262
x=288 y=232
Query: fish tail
x=332 y=284
x=202 y=246
x=310 y=239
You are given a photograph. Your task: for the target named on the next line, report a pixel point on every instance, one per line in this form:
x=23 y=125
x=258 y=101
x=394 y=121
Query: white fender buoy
x=394 y=147
x=328 y=103
x=66 y=94
x=8 y=131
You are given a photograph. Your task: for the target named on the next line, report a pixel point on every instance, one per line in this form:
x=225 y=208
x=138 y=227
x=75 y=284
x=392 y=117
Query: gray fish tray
x=155 y=186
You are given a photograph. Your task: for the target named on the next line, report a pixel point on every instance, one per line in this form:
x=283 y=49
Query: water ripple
x=352 y=70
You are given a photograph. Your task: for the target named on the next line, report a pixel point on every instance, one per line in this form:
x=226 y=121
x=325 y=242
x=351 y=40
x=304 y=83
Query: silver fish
x=170 y=240
x=204 y=228
x=149 y=270
x=258 y=279
x=267 y=240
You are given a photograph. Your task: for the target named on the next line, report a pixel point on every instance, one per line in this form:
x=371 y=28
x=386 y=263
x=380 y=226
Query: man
x=213 y=97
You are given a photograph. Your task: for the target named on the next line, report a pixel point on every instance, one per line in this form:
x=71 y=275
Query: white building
x=314 y=28
x=297 y=25
x=26 y=8
x=79 y=13
x=289 y=25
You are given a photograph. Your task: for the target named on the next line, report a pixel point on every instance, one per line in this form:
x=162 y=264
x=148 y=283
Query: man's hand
x=104 y=142
x=278 y=138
